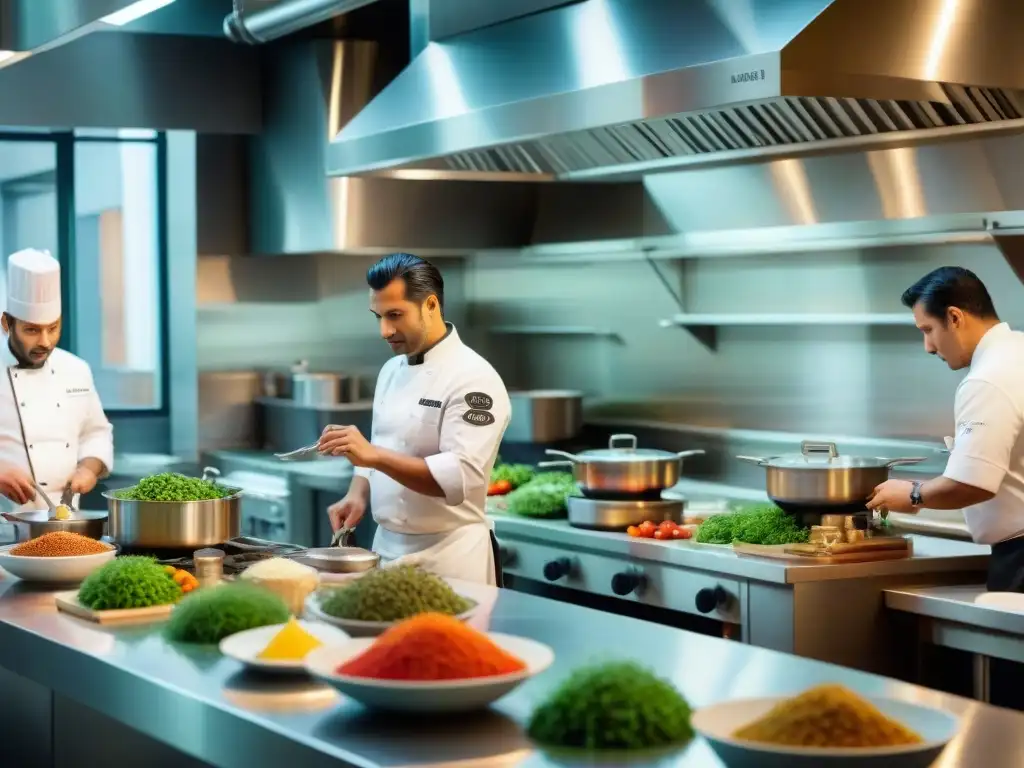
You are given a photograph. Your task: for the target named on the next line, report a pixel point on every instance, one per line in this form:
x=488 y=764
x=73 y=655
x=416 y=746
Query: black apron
x=1006 y=566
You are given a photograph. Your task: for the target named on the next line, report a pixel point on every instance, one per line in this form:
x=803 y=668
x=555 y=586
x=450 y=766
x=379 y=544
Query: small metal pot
x=819 y=479
x=622 y=469
x=605 y=515
x=31 y=525
x=338 y=559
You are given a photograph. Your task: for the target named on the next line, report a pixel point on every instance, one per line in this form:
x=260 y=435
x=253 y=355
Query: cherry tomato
x=667 y=525
x=662 y=535
x=682 y=533
x=499 y=488
x=633 y=531
x=647 y=528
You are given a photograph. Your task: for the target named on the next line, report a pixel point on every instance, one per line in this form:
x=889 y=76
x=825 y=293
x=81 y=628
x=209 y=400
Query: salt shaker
x=209 y=565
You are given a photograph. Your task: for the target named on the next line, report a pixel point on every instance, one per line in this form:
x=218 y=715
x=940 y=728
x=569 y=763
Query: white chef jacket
x=449 y=407
x=62 y=417
x=988 y=450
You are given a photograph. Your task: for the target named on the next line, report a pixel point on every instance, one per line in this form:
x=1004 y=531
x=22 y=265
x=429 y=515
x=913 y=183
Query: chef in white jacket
x=52 y=427
x=439 y=413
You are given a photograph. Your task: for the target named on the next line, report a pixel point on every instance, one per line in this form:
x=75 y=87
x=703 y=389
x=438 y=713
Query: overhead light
x=134 y=11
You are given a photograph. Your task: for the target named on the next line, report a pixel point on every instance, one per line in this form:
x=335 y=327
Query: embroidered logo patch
x=965 y=428
x=479 y=401
x=430 y=403
x=478 y=418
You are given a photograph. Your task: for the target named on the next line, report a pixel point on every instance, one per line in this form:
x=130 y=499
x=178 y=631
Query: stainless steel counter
x=207 y=707
x=931 y=555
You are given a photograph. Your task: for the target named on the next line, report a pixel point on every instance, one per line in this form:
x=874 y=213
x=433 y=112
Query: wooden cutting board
x=778 y=552
x=68 y=602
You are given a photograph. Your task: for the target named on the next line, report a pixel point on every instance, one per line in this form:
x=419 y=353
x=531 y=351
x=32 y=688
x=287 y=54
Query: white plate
x=718 y=722
x=430 y=696
x=357 y=628
x=246 y=646
x=56 y=570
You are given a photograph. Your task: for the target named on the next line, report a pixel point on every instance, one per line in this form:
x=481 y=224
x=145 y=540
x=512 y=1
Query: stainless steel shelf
x=552 y=330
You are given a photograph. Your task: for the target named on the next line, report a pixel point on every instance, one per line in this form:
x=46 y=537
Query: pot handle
x=809 y=447
x=626 y=442
x=759 y=460
x=211 y=474
x=571 y=458
x=696 y=452
x=896 y=462
x=552 y=464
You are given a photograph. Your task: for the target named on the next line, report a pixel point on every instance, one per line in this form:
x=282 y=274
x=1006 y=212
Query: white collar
x=449 y=342
x=992 y=335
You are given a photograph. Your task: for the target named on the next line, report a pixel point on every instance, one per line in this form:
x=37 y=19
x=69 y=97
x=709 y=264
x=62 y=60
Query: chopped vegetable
x=612 y=706
x=667 y=530
x=131 y=581
x=393 y=594
x=544 y=496
x=207 y=616
x=291 y=643
x=499 y=488
x=515 y=474
x=170 y=486
x=752 y=525
x=432 y=646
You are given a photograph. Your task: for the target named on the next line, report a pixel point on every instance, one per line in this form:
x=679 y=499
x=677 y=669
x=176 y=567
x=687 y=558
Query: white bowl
x=246 y=646
x=357 y=628
x=428 y=696
x=56 y=570
x=718 y=722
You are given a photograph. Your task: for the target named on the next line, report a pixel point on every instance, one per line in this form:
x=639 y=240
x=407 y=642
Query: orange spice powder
x=432 y=646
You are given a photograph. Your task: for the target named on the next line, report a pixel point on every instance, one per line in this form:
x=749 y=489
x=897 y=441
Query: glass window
x=117 y=271
x=28 y=201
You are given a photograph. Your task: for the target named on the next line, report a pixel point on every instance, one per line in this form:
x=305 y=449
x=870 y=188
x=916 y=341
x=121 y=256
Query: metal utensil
x=341 y=536
x=300 y=454
x=622 y=469
x=46 y=499
x=67 y=497
x=338 y=559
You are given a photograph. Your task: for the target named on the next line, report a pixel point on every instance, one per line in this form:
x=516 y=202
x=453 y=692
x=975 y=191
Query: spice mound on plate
x=393 y=594
x=291 y=643
x=827 y=716
x=131 y=581
x=59 y=544
x=432 y=646
x=209 y=615
x=614 y=706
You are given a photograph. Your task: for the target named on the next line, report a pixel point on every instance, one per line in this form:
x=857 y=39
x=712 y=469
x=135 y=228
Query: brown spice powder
x=60 y=544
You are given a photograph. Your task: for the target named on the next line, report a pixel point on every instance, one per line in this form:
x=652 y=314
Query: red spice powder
x=432 y=646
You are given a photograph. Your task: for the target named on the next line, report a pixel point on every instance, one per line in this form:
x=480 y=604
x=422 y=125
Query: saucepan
x=622 y=470
x=31 y=525
x=819 y=480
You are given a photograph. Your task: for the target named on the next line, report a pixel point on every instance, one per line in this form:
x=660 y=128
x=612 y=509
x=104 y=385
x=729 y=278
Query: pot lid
x=622 y=448
x=815 y=455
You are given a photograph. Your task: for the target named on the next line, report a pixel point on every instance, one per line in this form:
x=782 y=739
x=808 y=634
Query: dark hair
x=948 y=287
x=421 y=278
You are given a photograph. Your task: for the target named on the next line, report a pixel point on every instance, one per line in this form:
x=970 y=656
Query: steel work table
x=101 y=683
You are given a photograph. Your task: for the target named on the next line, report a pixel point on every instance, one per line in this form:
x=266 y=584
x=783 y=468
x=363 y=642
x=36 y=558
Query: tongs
x=66 y=499
x=307 y=453
x=341 y=537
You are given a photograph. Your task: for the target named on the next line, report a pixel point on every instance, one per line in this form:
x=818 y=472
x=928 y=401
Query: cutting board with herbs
x=68 y=602
x=807 y=554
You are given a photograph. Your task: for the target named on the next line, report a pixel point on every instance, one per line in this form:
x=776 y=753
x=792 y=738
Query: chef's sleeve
x=96 y=435
x=472 y=426
x=988 y=423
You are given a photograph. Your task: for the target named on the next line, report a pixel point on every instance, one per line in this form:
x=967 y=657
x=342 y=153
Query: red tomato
x=667 y=525
x=682 y=533
x=633 y=531
x=662 y=535
x=647 y=528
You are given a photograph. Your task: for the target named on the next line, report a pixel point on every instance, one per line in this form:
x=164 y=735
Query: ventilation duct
x=260 y=21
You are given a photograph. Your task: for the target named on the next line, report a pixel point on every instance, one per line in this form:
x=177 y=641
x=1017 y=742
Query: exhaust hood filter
x=600 y=87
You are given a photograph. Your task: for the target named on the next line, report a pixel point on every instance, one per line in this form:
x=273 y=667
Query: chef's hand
x=350 y=443
x=16 y=484
x=893 y=495
x=346 y=513
x=83 y=481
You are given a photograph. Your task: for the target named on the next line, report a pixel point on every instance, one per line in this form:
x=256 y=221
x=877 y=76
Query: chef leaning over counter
x=439 y=413
x=985 y=472
x=52 y=426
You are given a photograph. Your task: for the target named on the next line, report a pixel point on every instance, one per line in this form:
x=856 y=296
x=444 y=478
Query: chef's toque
x=33 y=287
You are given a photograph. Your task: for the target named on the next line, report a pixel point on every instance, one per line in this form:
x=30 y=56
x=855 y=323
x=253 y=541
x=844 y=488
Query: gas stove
x=239 y=553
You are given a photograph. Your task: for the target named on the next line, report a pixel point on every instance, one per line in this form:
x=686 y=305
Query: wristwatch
x=915 y=495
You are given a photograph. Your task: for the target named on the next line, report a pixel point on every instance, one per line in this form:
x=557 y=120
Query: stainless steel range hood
x=606 y=87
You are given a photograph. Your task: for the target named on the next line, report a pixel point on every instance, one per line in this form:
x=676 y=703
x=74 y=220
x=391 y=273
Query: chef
x=52 y=428
x=439 y=413
x=985 y=473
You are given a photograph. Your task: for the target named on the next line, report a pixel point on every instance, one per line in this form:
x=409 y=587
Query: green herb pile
x=170 y=486
x=516 y=474
x=131 y=581
x=752 y=525
x=613 y=706
x=209 y=615
x=393 y=594
x=544 y=496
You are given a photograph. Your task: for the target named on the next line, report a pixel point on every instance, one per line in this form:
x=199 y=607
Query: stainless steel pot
x=544 y=416
x=618 y=515
x=818 y=478
x=30 y=525
x=622 y=469
x=316 y=389
x=174 y=524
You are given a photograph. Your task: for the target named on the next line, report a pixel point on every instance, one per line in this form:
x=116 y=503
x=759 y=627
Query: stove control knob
x=507 y=555
x=556 y=569
x=709 y=599
x=627 y=582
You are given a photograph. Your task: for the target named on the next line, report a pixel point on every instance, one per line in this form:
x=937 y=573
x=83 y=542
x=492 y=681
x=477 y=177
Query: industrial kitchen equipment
x=544 y=416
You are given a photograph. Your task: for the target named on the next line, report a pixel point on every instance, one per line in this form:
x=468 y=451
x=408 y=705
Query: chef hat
x=33 y=287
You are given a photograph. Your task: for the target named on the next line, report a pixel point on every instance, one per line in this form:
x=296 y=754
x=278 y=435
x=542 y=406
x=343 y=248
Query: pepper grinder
x=209 y=565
